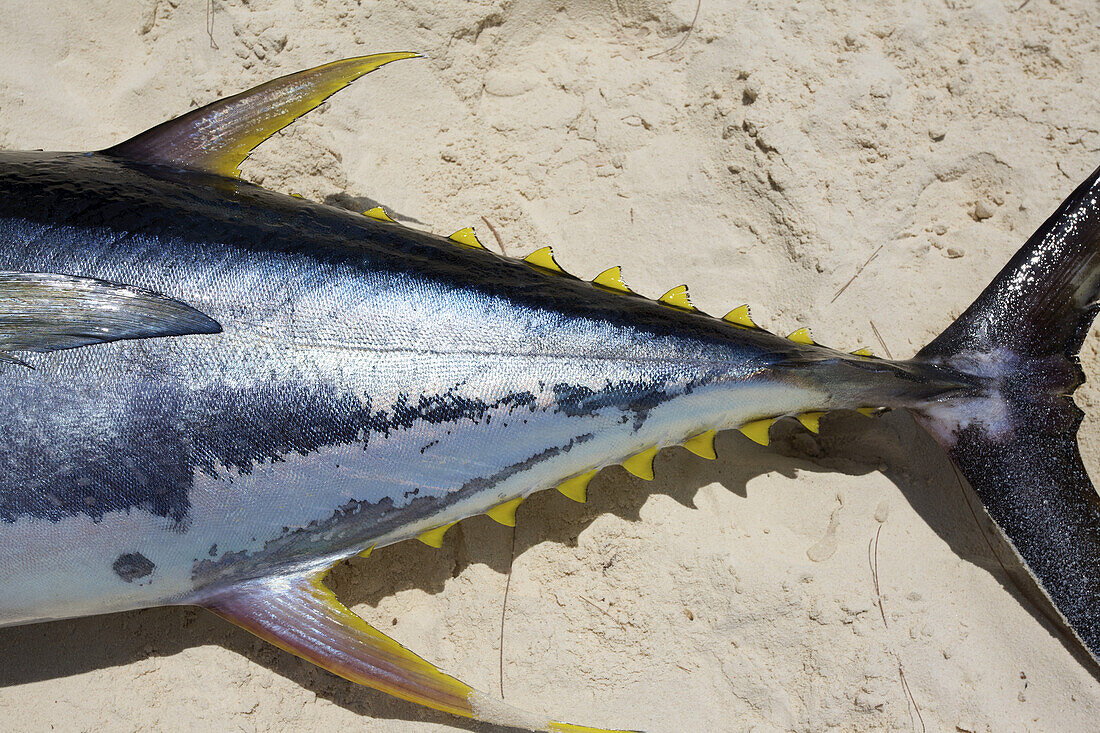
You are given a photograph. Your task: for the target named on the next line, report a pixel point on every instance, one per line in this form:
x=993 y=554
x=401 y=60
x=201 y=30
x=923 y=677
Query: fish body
x=210 y=393
x=370 y=382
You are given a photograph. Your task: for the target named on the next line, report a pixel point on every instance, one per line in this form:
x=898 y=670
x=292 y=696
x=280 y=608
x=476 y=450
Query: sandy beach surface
x=768 y=154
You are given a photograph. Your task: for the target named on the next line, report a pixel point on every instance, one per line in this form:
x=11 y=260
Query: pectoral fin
x=42 y=311
x=299 y=614
x=218 y=137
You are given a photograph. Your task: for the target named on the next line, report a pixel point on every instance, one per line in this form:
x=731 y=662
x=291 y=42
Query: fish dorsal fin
x=301 y=615
x=218 y=137
x=42 y=311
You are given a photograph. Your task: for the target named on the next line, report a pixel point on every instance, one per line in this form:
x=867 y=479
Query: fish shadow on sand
x=848 y=444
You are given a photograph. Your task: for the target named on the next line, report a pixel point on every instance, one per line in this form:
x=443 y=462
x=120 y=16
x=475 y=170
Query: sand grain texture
x=764 y=161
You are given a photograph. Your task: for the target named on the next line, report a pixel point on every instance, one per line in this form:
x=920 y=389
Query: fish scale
x=211 y=393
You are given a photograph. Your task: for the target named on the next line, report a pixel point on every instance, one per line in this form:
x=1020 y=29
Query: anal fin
x=300 y=615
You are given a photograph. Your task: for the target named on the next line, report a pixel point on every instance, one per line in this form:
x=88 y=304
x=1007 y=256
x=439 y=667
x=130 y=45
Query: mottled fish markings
x=211 y=393
x=354 y=523
x=133 y=566
x=634 y=399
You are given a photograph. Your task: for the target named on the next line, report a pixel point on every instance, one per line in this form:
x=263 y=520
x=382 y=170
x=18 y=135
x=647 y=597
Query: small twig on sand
x=858 y=270
x=872 y=559
x=210 y=24
x=493 y=229
x=909 y=699
x=683 y=40
x=880 y=341
x=504 y=607
x=605 y=613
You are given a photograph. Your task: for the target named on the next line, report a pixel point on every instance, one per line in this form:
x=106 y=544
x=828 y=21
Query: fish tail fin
x=1014 y=437
x=301 y=615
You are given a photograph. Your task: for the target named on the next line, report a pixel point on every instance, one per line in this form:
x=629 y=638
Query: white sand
x=764 y=161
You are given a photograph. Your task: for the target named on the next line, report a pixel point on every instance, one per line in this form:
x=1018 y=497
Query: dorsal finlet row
x=612 y=279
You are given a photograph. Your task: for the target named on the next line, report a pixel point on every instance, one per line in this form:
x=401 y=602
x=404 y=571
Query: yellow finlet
x=757 y=431
x=702 y=445
x=740 y=316
x=801 y=336
x=677 y=298
x=378 y=214
x=612 y=279
x=366 y=553
x=810 y=420
x=544 y=259
x=576 y=488
x=641 y=464
x=434 y=537
x=467 y=238
x=505 y=513
x=868 y=411
x=862 y=352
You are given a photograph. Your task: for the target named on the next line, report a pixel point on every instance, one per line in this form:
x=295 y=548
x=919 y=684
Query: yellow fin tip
x=757 y=430
x=505 y=513
x=740 y=316
x=378 y=214
x=467 y=238
x=544 y=259
x=801 y=336
x=641 y=464
x=612 y=279
x=810 y=420
x=677 y=298
x=702 y=445
x=434 y=537
x=576 y=488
